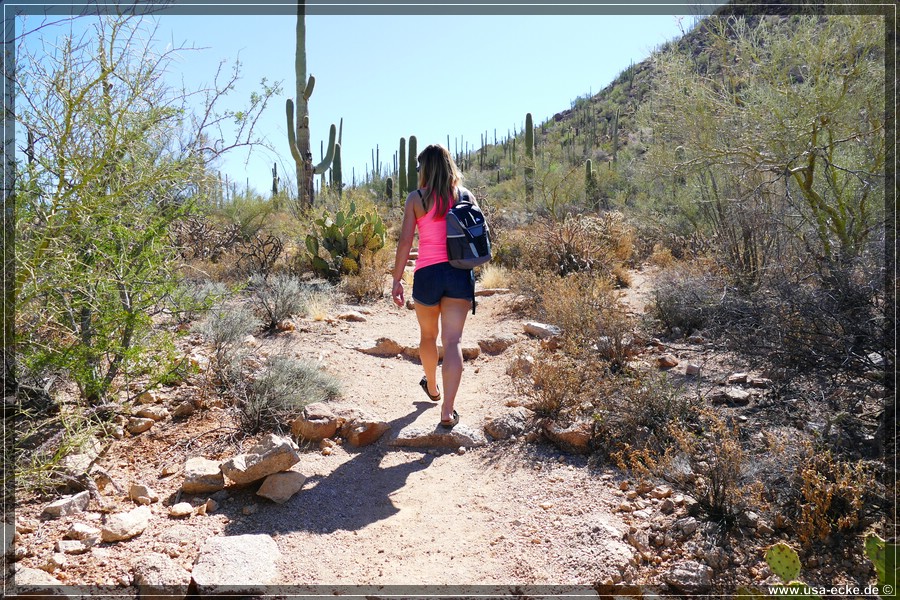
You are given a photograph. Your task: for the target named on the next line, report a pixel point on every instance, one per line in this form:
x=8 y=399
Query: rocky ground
x=410 y=508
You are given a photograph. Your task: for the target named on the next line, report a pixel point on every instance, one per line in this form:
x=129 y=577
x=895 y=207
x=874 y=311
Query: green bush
x=280 y=391
x=225 y=327
x=277 y=297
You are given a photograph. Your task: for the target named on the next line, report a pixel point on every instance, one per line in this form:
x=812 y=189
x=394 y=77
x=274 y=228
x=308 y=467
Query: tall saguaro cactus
x=298 y=131
x=412 y=178
x=529 y=158
x=401 y=180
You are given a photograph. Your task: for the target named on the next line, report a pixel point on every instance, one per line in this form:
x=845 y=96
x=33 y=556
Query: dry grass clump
x=495 y=276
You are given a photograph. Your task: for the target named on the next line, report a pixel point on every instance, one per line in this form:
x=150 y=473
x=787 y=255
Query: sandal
x=424 y=385
x=450 y=423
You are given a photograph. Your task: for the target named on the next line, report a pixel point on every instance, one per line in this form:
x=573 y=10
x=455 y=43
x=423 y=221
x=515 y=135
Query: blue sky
x=392 y=76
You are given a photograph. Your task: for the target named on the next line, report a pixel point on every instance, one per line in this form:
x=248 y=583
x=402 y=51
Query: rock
x=138 y=425
x=574 y=438
x=382 y=347
x=211 y=506
x=520 y=364
x=146 y=398
x=280 y=487
x=37 y=584
x=182 y=509
x=541 y=330
x=271 y=455
x=759 y=382
x=363 y=433
x=667 y=507
x=696 y=339
x=666 y=361
x=82 y=531
x=689 y=577
x=686 y=525
x=124 y=526
x=158 y=577
x=737 y=378
x=511 y=424
x=237 y=565
x=26 y=525
x=316 y=423
x=140 y=490
x=468 y=352
x=56 y=561
x=692 y=369
x=250 y=509
x=439 y=437
x=661 y=492
x=75 y=546
x=184 y=410
x=352 y=316
x=83 y=457
x=491 y=292
x=156 y=413
x=644 y=487
x=497 y=343
x=732 y=397
x=202 y=476
x=68 y=505
x=285 y=325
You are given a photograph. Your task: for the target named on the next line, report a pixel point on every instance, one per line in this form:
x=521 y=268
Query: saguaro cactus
x=389 y=190
x=413 y=179
x=615 y=136
x=336 y=173
x=402 y=165
x=298 y=132
x=529 y=158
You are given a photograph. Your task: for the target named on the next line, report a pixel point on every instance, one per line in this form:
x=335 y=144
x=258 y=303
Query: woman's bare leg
x=428 y=353
x=453 y=318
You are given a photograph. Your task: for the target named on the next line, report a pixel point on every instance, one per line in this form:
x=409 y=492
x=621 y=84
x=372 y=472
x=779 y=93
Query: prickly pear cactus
x=884 y=557
x=783 y=561
x=346 y=237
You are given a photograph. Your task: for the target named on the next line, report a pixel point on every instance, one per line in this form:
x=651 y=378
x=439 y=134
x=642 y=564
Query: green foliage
x=277 y=297
x=784 y=561
x=412 y=175
x=190 y=298
x=401 y=160
x=278 y=393
x=345 y=237
x=225 y=327
x=884 y=557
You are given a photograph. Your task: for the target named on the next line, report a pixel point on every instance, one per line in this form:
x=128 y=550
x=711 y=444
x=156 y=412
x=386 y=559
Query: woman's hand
x=397 y=293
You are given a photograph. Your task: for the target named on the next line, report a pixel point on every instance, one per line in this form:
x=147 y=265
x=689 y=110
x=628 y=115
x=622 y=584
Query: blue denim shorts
x=433 y=282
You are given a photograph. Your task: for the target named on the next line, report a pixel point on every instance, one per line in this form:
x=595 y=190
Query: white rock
x=182 y=509
x=238 y=565
x=137 y=425
x=158 y=577
x=68 y=505
x=280 y=487
x=202 y=476
x=140 y=490
x=272 y=454
x=124 y=526
x=541 y=330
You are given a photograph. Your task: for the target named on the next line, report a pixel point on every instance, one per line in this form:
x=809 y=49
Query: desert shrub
x=633 y=414
x=687 y=297
x=225 y=327
x=832 y=495
x=710 y=461
x=368 y=282
x=259 y=254
x=593 y=322
x=280 y=391
x=829 y=322
x=191 y=298
x=277 y=297
x=554 y=386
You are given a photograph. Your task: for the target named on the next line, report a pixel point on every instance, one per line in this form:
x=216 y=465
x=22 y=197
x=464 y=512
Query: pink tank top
x=432 y=239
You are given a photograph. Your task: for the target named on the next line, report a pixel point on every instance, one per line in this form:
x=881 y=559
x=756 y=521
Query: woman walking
x=443 y=295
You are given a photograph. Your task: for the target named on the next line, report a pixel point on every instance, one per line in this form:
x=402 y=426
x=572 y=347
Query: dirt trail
x=511 y=512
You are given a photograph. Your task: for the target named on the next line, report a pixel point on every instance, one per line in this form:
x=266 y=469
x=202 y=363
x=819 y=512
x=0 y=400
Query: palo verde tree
x=772 y=137
x=112 y=156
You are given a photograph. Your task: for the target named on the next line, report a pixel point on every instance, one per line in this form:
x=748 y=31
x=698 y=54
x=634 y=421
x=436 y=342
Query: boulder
x=511 y=424
x=236 y=565
x=202 y=476
x=382 y=347
x=692 y=369
x=36 y=584
x=667 y=361
x=316 y=423
x=461 y=436
x=82 y=531
x=364 y=432
x=689 y=577
x=68 y=505
x=280 y=487
x=731 y=396
x=575 y=438
x=154 y=412
x=182 y=509
x=75 y=546
x=142 y=493
x=497 y=343
x=184 y=410
x=124 y=526
x=138 y=425
x=271 y=455
x=158 y=577
x=542 y=330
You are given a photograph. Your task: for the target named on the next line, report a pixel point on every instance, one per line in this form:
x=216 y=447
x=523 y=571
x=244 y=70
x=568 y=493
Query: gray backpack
x=468 y=235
